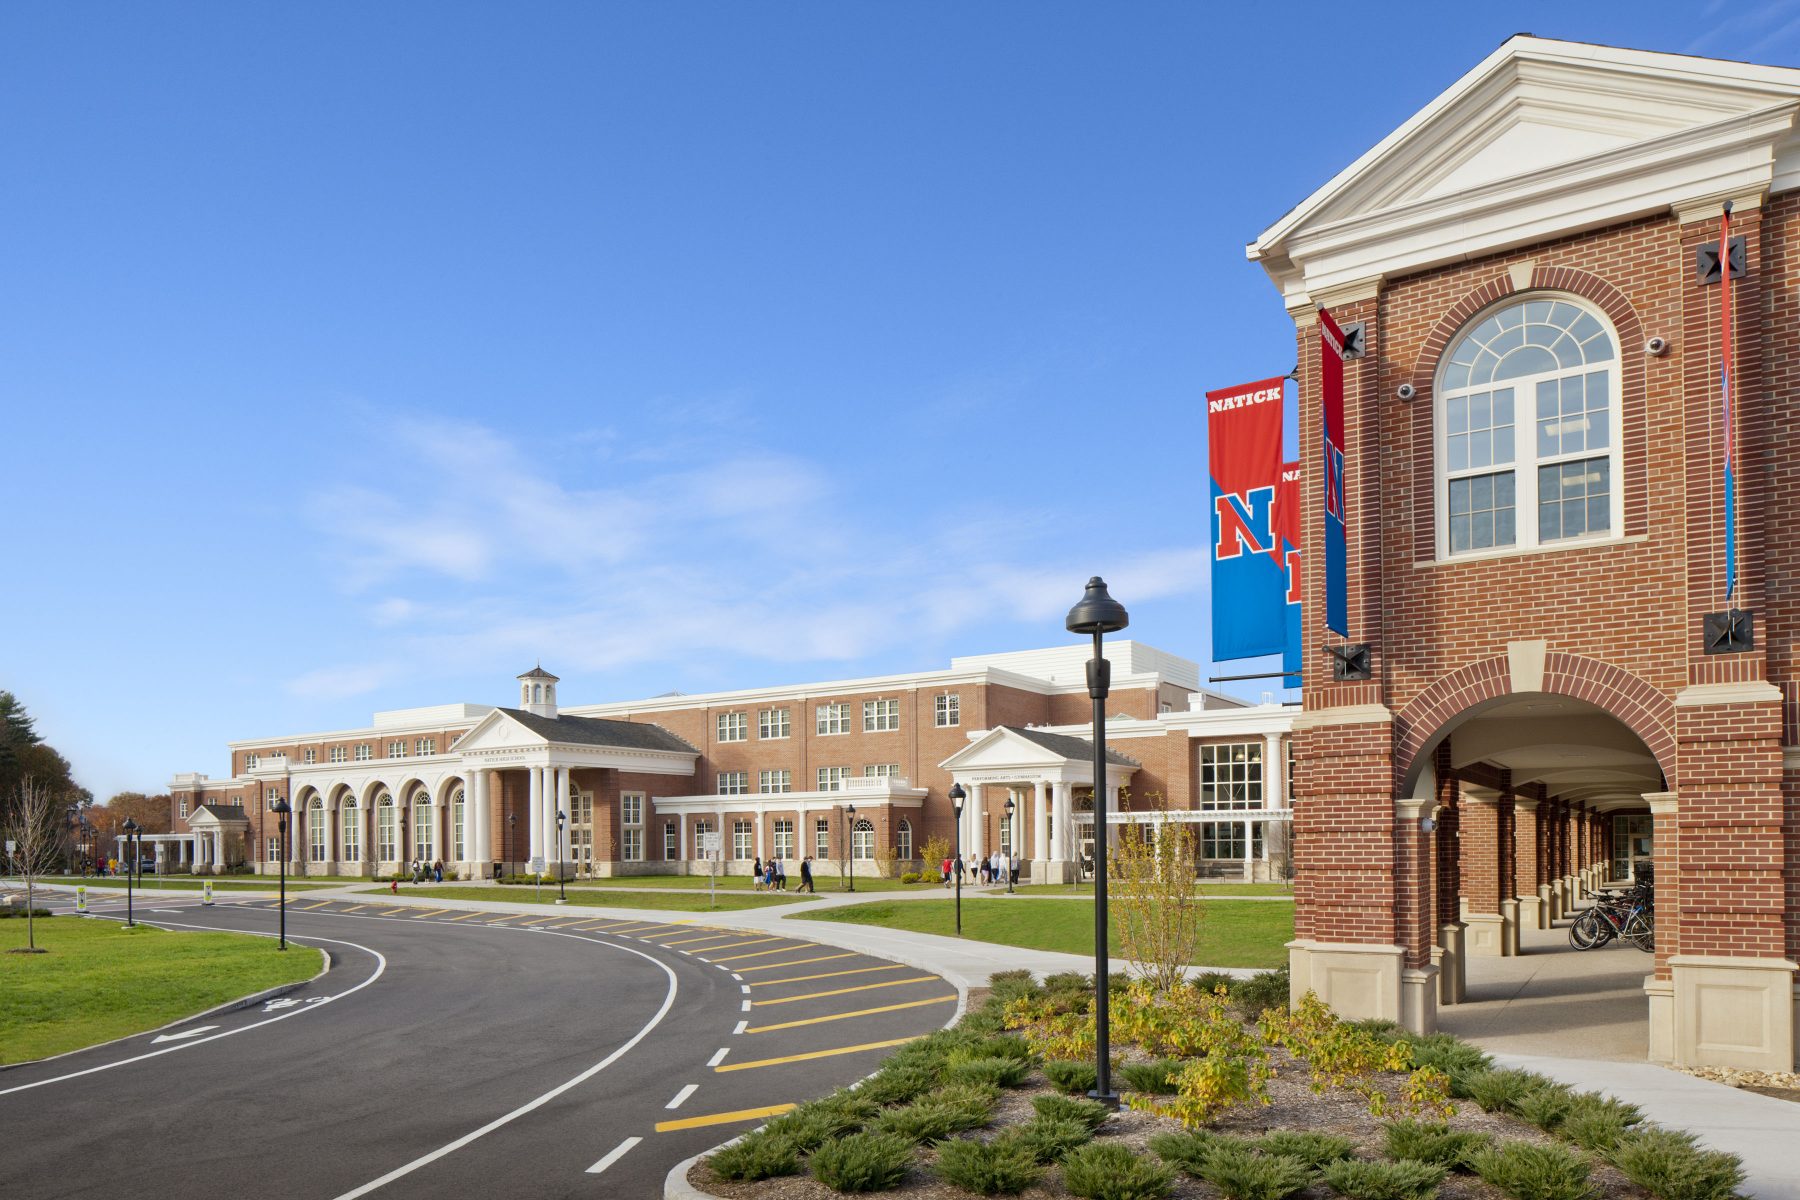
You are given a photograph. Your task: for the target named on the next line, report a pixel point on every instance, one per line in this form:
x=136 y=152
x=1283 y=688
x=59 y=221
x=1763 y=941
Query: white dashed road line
x=682 y=1095
x=614 y=1155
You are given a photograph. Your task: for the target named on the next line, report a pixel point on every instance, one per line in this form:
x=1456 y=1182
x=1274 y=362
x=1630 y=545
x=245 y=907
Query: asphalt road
x=449 y=1053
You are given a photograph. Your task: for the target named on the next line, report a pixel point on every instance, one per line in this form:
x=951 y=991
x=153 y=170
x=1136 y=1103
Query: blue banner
x=1249 y=582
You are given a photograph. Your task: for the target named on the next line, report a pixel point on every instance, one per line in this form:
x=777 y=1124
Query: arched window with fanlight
x=315 y=829
x=424 y=828
x=862 y=840
x=1528 y=429
x=903 y=840
x=458 y=807
x=387 y=829
x=350 y=829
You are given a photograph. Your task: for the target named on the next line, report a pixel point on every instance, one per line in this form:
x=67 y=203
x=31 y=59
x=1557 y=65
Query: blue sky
x=358 y=356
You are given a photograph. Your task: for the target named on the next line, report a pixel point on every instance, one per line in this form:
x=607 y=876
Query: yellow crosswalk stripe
x=826 y=974
x=753 y=1064
x=866 y=987
x=764 y=953
x=724 y=1118
x=797 y=962
x=861 y=1012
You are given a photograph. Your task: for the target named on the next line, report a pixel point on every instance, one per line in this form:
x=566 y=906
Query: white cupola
x=537 y=692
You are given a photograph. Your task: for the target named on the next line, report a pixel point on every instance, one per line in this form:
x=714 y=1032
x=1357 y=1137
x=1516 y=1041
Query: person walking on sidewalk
x=806 y=882
x=781 y=875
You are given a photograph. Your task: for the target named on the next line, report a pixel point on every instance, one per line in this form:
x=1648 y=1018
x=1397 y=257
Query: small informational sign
x=537 y=866
x=81 y=899
x=709 y=843
x=205 y=892
x=11 y=846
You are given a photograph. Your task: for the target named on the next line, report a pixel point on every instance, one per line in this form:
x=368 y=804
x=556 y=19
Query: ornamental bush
x=1242 y=1174
x=1091 y=1113
x=862 y=1162
x=1501 y=1091
x=1266 y=989
x=1156 y=1077
x=1070 y=1075
x=1546 y=1107
x=1454 y=1058
x=1316 y=1150
x=1599 y=1123
x=1187 y=1150
x=898 y=1085
x=1671 y=1166
x=997 y=1070
x=1048 y=1139
x=1110 y=1171
x=1436 y=1144
x=1526 y=1171
x=760 y=1155
x=999 y=1167
x=812 y=1125
x=922 y=1123
x=1404 y=1180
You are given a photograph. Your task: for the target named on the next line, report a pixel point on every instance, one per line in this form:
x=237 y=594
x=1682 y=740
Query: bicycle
x=1631 y=918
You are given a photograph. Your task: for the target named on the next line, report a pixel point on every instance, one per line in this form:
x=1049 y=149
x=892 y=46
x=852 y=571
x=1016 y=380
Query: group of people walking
x=772 y=876
x=996 y=868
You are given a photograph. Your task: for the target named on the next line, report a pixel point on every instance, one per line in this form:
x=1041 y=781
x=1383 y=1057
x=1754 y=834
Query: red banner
x=1243 y=436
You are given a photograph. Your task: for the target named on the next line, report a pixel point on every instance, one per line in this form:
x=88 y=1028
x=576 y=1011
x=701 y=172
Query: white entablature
x=1542 y=139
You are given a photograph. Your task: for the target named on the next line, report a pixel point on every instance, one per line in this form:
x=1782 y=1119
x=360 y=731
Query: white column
x=977 y=814
x=563 y=785
x=475 y=821
x=681 y=836
x=1274 y=771
x=534 y=812
x=760 y=817
x=1040 y=821
x=1062 y=838
x=1111 y=832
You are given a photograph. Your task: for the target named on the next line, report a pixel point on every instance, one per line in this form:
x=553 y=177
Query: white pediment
x=497 y=731
x=1542 y=139
x=1003 y=749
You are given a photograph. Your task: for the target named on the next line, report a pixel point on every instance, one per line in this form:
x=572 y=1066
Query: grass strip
x=610 y=898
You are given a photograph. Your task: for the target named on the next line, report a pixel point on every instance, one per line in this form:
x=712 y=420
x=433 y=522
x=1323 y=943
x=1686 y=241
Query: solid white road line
x=683 y=1094
x=614 y=1155
x=531 y=1105
x=718 y=1057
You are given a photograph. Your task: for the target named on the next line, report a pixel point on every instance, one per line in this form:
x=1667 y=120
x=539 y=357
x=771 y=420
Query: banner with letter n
x=1331 y=466
x=1243 y=433
x=1726 y=416
x=1288 y=526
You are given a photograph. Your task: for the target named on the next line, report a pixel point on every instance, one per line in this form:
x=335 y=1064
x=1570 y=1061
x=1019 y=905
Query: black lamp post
x=850 y=845
x=281 y=809
x=1097 y=613
x=1012 y=843
x=131 y=828
x=562 y=892
x=957 y=796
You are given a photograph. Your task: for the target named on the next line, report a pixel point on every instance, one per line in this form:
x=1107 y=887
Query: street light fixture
x=562 y=892
x=850 y=846
x=1012 y=844
x=1097 y=613
x=281 y=809
x=957 y=796
x=131 y=828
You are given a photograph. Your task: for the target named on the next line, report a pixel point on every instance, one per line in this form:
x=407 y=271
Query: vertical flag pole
x=1726 y=413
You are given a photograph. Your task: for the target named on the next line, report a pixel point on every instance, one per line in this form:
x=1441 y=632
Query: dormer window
x=1527 y=430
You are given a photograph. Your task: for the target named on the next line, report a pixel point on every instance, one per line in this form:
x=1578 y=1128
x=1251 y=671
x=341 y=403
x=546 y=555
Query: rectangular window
x=772 y=723
x=1574 y=499
x=274 y=848
x=425 y=746
x=832 y=779
x=365 y=752
x=631 y=809
x=769 y=782
x=822 y=838
x=339 y=754
x=396 y=749
x=183 y=812
x=1231 y=776
x=1225 y=839
x=949 y=710
x=784 y=837
x=456 y=737
x=834 y=718
x=250 y=761
x=882 y=771
x=881 y=716
x=734 y=783
x=1483 y=512
x=740 y=840
x=311 y=756
x=671 y=841
x=631 y=844
x=733 y=727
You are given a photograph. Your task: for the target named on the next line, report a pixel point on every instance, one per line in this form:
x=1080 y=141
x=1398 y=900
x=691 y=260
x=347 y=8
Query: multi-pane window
x=882 y=771
x=784 y=837
x=250 y=761
x=311 y=756
x=424 y=830
x=1225 y=839
x=316 y=830
x=740 y=840
x=458 y=808
x=340 y=754
x=274 y=850
x=832 y=779
x=862 y=840
x=365 y=752
x=769 y=782
x=671 y=841
x=183 y=805
x=631 y=822
x=949 y=710
x=834 y=718
x=1527 y=438
x=821 y=838
x=1231 y=775
x=734 y=783
x=881 y=716
x=734 y=726
x=425 y=746
x=397 y=749
x=387 y=830
x=702 y=827
x=773 y=723
x=350 y=831
x=903 y=840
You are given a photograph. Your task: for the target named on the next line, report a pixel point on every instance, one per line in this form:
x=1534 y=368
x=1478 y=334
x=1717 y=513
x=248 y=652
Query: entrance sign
x=1243 y=450
x=1331 y=467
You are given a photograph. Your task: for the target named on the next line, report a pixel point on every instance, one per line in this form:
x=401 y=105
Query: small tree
x=34 y=831
x=1278 y=836
x=1157 y=904
x=937 y=849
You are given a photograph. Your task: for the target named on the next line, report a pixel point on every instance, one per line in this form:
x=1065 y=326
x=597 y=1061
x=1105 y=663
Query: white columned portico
x=475 y=816
x=560 y=836
x=1040 y=820
x=1274 y=770
x=534 y=813
x=1064 y=822
x=976 y=814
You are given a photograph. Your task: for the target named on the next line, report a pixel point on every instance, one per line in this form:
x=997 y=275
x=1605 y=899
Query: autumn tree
x=1157 y=908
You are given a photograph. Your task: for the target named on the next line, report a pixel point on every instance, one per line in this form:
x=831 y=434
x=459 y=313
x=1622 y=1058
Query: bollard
x=206 y=893
x=81 y=898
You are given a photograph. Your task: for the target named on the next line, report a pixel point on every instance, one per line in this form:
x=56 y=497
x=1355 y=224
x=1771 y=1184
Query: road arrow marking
x=186 y=1033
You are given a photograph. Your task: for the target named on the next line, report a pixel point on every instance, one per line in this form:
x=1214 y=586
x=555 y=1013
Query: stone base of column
x=1046 y=871
x=1509 y=912
x=1487 y=935
x=1734 y=1012
x=1559 y=899
x=1546 y=905
x=1531 y=913
x=1359 y=982
x=1660 y=994
x=1452 y=972
x=1418 y=1000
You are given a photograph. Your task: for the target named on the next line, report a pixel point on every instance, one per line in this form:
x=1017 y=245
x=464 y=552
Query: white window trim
x=1525 y=489
x=840 y=717
x=948 y=705
x=733 y=727
x=766 y=722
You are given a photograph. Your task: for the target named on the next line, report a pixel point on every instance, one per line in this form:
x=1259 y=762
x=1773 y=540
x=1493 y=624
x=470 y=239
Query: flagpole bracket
x=1350 y=662
x=1729 y=632
x=1356 y=340
x=1706 y=261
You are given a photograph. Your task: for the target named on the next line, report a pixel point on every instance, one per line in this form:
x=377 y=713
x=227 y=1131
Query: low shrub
x=862 y=1162
x=1110 y=1171
x=985 y=1022
x=999 y=1071
x=1501 y=1091
x=1007 y=986
x=977 y=1099
x=1265 y=989
x=1066 y=1075
x=1156 y=1077
x=1438 y=1145
x=1049 y=1140
x=1387 y=1031
x=1212 y=981
x=1068 y=981
x=1528 y=1171
x=1671 y=1166
x=1403 y=1180
x=812 y=1125
x=910 y=877
x=1595 y=1122
x=1443 y=1052
x=924 y=1122
x=1316 y=1150
x=1546 y=1107
x=1187 y=1150
x=898 y=1085
x=1091 y=1113
x=21 y=911
x=760 y=1155
x=999 y=1167
x=1242 y=1174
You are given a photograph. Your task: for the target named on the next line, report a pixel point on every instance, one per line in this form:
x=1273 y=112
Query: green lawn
x=101 y=981
x=1205 y=889
x=1234 y=935
x=595 y=897
x=736 y=883
x=188 y=883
